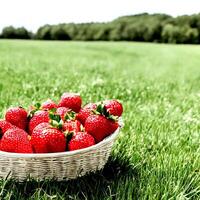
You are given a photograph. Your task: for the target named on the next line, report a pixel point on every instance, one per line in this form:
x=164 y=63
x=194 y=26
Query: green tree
x=9 y=32
x=15 y=33
x=44 y=33
x=59 y=33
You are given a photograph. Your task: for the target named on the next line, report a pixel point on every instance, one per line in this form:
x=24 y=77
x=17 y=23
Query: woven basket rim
x=60 y=154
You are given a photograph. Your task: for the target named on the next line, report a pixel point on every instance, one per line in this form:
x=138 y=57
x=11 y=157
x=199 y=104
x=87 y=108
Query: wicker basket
x=59 y=166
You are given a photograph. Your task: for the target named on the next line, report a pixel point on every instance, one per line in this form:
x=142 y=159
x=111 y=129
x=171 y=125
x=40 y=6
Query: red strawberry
x=15 y=140
x=48 y=105
x=85 y=112
x=18 y=117
x=80 y=140
x=62 y=111
x=37 y=141
x=113 y=126
x=99 y=126
x=4 y=126
x=48 y=140
x=72 y=126
x=40 y=127
x=72 y=101
x=114 y=107
x=38 y=117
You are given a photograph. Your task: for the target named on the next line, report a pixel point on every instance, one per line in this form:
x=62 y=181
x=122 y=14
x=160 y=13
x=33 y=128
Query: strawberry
x=15 y=140
x=37 y=140
x=38 y=117
x=113 y=126
x=62 y=111
x=41 y=126
x=85 y=112
x=114 y=107
x=18 y=117
x=72 y=126
x=72 y=101
x=70 y=123
x=4 y=126
x=80 y=140
x=48 y=140
x=99 y=126
x=48 y=105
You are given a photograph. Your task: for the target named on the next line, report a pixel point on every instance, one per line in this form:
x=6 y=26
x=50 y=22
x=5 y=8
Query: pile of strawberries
x=51 y=127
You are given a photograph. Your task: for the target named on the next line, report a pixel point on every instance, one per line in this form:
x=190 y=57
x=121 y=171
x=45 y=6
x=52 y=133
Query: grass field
x=157 y=155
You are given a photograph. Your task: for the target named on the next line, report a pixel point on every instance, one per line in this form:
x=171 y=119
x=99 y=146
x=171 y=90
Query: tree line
x=142 y=27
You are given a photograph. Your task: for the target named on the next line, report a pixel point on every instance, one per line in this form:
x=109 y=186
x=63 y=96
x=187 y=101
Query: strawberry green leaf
x=37 y=106
x=53 y=110
x=100 y=108
x=31 y=113
x=54 y=123
x=60 y=124
x=105 y=112
x=54 y=117
x=70 y=115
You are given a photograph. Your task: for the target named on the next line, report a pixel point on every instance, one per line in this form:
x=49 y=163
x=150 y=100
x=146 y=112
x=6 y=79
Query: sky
x=34 y=13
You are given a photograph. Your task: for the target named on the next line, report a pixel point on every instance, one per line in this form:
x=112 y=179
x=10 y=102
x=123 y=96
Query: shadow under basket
x=58 y=166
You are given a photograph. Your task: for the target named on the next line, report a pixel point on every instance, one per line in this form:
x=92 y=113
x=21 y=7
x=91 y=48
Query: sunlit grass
x=157 y=155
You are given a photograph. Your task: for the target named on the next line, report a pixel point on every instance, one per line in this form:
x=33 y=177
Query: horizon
x=34 y=14
x=96 y=21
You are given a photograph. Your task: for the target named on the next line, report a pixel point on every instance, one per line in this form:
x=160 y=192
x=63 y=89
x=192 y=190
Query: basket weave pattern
x=60 y=166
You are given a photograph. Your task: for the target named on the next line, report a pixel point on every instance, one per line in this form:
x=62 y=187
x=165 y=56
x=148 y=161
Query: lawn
x=157 y=155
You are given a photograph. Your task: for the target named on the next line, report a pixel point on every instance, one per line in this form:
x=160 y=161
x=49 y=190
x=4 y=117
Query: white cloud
x=34 y=13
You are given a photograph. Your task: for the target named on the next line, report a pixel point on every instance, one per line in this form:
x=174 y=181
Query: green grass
x=157 y=155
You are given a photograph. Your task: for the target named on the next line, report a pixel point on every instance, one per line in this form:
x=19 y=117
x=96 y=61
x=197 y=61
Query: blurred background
x=164 y=21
